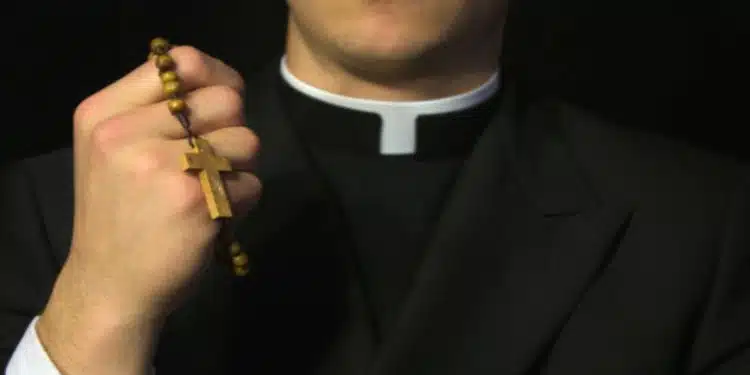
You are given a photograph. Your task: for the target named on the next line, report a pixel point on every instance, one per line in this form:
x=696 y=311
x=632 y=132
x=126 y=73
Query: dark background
x=676 y=67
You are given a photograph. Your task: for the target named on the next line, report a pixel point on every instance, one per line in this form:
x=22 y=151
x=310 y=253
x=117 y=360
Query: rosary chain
x=178 y=107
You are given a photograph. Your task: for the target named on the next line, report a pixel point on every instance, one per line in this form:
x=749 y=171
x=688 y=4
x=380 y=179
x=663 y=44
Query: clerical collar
x=439 y=127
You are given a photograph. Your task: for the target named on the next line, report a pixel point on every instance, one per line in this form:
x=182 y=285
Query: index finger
x=143 y=85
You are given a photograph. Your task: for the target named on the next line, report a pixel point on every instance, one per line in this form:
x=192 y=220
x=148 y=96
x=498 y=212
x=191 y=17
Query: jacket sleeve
x=27 y=266
x=722 y=345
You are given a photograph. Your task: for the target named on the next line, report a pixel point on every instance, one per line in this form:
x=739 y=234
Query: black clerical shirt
x=391 y=202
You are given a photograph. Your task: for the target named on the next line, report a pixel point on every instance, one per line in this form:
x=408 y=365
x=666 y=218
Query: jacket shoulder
x=49 y=184
x=626 y=160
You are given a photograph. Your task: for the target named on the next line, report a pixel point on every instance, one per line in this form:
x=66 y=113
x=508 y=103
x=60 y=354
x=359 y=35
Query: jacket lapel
x=517 y=245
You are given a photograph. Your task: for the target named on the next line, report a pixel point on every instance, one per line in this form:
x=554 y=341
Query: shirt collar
x=398 y=132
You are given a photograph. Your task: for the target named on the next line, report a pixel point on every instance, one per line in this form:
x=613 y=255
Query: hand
x=142 y=230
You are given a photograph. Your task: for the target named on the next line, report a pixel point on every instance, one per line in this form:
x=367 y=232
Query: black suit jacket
x=568 y=246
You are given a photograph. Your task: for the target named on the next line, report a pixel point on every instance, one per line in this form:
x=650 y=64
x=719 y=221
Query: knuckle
x=247 y=192
x=254 y=191
x=107 y=136
x=251 y=140
x=85 y=113
x=184 y=192
x=145 y=165
x=238 y=83
x=257 y=187
x=231 y=100
x=192 y=63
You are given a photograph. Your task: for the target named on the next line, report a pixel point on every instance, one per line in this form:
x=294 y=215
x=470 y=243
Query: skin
x=131 y=264
x=395 y=50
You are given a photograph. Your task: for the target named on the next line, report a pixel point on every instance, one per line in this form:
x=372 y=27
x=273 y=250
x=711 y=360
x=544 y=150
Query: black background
x=677 y=67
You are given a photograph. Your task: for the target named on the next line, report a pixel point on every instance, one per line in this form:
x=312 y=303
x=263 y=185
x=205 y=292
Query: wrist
x=83 y=346
x=83 y=338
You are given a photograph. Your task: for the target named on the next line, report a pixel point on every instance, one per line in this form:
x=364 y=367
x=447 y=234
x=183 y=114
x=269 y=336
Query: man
x=419 y=215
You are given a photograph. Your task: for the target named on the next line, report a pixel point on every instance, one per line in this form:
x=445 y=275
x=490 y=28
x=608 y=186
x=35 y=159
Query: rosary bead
x=159 y=46
x=241 y=271
x=240 y=260
x=168 y=76
x=172 y=87
x=176 y=105
x=164 y=62
x=235 y=248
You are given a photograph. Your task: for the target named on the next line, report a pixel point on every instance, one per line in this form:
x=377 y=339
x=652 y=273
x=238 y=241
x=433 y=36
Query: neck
x=440 y=78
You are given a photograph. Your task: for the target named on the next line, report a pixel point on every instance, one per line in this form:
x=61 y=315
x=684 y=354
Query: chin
x=382 y=59
x=386 y=50
x=383 y=50
x=379 y=43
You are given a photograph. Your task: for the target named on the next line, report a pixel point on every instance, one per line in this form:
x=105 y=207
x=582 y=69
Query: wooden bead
x=240 y=260
x=172 y=87
x=235 y=248
x=241 y=271
x=168 y=76
x=176 y=105
x=164 y=62
x=159 y=46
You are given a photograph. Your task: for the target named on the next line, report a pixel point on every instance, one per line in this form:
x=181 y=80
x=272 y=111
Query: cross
x=210 y=166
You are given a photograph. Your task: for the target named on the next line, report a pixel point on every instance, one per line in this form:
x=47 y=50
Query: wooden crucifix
x=210 y=166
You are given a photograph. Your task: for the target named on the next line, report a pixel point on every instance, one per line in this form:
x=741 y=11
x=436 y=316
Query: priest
x=413 y=210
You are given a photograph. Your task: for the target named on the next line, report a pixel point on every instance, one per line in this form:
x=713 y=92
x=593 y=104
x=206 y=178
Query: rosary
x=201 y=159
